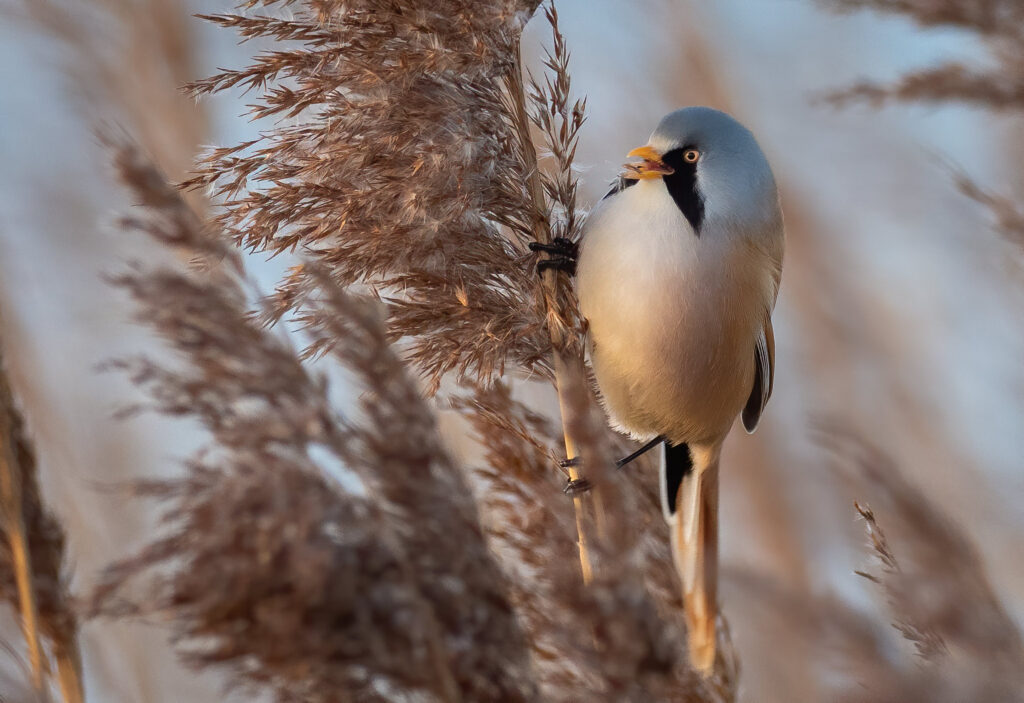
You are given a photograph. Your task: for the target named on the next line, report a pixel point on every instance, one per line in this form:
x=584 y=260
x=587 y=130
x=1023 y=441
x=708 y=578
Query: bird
x=677 y=273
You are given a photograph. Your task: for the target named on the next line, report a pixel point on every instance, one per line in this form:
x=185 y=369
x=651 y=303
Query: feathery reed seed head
x=270 y=568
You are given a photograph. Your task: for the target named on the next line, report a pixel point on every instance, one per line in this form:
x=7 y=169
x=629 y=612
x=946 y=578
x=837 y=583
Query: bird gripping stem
x=558 y=330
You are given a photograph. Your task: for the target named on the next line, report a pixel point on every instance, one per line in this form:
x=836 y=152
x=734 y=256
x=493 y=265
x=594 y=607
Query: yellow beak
x=651 y=167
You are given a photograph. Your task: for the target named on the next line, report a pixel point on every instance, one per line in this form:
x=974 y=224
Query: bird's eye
x=691 y=156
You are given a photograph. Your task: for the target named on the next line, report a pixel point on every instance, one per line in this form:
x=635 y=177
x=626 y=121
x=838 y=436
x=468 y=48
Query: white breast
x=673 y=316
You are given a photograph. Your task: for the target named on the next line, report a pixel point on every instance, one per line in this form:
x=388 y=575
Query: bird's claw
x=576 y=486
x=561 y=255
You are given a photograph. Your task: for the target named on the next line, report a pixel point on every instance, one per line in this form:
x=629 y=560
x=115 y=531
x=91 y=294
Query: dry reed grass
x=964 y=646
x=934 y=582
x=399 y=594
x=376 y=196
x=997 y=23
x=32 y=576
x=399 y=168
x=323 y=556
x=408 y=165
x=268 y=567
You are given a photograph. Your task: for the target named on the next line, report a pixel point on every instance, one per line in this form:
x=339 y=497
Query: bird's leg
x=639 y=452
x=561 y=255
x=581 y=485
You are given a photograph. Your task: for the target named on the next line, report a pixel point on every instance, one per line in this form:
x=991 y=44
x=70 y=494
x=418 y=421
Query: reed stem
x=14 y=523
x=541 y=232
x=69 y=672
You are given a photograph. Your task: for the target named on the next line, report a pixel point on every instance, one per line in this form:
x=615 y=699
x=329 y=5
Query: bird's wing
x=764 y=376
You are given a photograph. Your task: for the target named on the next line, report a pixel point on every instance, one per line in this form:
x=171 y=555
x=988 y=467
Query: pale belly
x=673 y=320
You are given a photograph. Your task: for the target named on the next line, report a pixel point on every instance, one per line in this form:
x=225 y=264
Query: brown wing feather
x=764 y=376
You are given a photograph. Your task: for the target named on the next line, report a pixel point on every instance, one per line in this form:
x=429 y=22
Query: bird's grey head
x=713 y=168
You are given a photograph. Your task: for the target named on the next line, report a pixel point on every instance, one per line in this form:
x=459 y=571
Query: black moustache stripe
x=682 y=186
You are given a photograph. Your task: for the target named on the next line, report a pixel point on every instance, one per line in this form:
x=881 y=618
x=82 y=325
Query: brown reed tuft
x=32 y=548
x=399 y=167
x=327 y=557
x=407 y=164
x=936 y=589
x=999 y=24
x=611 y=639
x=925 y=638
x=939 y=585
x=1007 y=214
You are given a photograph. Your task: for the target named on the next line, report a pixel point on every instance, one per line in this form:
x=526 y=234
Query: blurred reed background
x=899 y=340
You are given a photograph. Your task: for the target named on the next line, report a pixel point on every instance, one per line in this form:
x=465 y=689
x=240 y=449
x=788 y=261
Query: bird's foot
x=576 y=487
x=561 y=255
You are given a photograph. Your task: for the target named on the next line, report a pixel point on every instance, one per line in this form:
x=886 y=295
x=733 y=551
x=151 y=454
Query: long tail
x=689 y=492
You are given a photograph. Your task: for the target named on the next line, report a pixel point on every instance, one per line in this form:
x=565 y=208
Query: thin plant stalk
x=69 y=671
x=549 y=281
x=36 y=543
x=10 y=495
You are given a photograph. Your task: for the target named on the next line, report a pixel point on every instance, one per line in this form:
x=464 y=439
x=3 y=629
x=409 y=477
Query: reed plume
x=408 y=165
x=32 y=571
x=936 y=589
x=399 y=167
x=998 y=86
x=999 y=24
x=268 y=566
